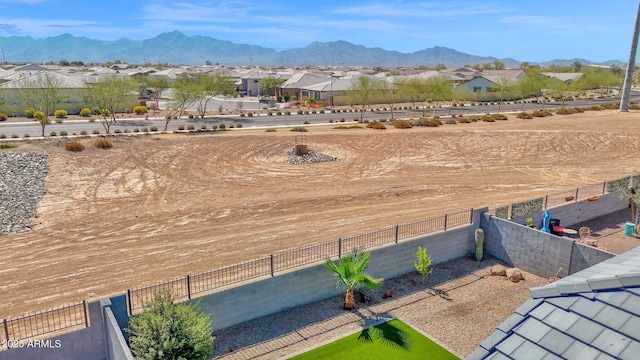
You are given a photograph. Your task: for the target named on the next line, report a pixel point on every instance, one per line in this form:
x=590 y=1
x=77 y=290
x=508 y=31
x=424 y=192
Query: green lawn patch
x=390 y=340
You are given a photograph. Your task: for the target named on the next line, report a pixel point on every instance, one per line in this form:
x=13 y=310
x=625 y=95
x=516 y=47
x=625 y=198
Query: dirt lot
x=159 y=207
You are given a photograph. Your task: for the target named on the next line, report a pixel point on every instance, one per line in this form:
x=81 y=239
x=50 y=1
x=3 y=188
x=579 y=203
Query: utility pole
x=628 y=79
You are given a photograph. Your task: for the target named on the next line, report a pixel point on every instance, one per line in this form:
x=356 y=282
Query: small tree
x=170 y=331
x=350 y=273
x=423 y=263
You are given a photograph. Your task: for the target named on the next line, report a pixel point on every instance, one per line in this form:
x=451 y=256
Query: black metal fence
x=193 y=284
x=44 y=322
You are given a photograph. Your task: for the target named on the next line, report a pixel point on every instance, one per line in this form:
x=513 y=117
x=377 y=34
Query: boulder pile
x=22 y=179
x=309 y=158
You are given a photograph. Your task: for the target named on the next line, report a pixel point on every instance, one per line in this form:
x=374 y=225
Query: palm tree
x=350 y=273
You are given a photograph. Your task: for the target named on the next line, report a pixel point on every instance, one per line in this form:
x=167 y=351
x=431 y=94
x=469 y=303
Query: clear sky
x=533 y=31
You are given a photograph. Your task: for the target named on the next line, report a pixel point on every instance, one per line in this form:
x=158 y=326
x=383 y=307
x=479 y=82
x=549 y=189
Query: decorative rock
x=309 y=158
x=22 y=179
x=498 y=270
x=514 y=274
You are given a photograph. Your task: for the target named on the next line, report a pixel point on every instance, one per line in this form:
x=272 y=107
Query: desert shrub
x=270 y=130
x=342 y=120
x=500 y=117
x=221 y=126
x=190 y=127
x=299 y=129
x=29 y=112
x=524 y=115
x=39 y=115
x=85 y=112
x=3 y=117
x=180 y=127
x=232 y=126
x=278 y=113
x=135 y=130
x=565 y=111
x=342 y=127
x=300 y=112
x=127 y=111
x=63 y=133
x=53 y=133
x=155 y=128
x=540 y=113
x=140 y=109
x=75 y=146
x=145 y=129
x=3 y=136
x=594 y=108
x=488 y=118
x=250 y=114
x=103 y=144
x=242 y=115
x=190 y=116
x=287 y=112
x=214 y=127
x=202 y=127
x=307 y=122
x=117 y=131
x=463 y=120
x=96 y=132
x=26 y=136
x=60 y=114
x=578 y=110
x=126 y=131
x=15 y=136
x=402 y=124
x=83 y=132
x=269 y=113
x=376 y=125
x=450 y=122
x=238 y=125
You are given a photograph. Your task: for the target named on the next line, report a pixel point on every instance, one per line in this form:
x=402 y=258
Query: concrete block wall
x=84 y=344
x=301 y=286
x=116 y=344
x=573 y=212
x=583 y=256
x=531 y=250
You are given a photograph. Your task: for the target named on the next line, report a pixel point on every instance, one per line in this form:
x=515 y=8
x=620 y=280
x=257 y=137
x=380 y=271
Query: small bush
x=488 y=118
x=250 y=114
x=3 y=136
x=202 y=127
x=155 y=128
x=26 y=136
x=221 y=126
x=190 y=127
x=307 y=122
x=29 y=112
x=145 y=129
x=60 y=114
x=15 y=136
x=96 y=132
x=74 y=146
x=500 y=117
x=126 y=131
x=180 y=127
x=85 y=112
x=238 y=125
x=83 y=132
x=300 y=112
x=103 y=144
x=402 y=124
x=524 y=115
x=3 y=117
x=135 y=130
x=450 y=122
x=541 y=113
x=269 y=113
x=463 y=120
x=232 y=126
x=270 y=130
x=53 y=133
x=299 y=129
x=118 y=131
x=139 y=110
x=341 y=119
x=127 y=111
x=190 y=116
x=565 y=111
x=214 y=127
x=376 y=125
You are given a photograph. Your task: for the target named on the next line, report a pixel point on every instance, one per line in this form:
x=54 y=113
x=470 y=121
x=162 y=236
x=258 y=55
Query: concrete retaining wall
x=583 y=256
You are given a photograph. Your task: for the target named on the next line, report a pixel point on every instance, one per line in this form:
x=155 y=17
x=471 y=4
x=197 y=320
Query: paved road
x=70 y=126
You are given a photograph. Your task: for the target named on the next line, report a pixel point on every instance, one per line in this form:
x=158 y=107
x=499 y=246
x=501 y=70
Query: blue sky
x=532 y=31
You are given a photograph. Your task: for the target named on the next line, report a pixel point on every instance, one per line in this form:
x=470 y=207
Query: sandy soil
x=159 y=207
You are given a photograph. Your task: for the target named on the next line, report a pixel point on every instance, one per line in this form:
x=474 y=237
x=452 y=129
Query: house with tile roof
x=591 y=314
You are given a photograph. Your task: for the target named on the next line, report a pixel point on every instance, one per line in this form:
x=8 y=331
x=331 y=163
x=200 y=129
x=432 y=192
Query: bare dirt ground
x=158 y=207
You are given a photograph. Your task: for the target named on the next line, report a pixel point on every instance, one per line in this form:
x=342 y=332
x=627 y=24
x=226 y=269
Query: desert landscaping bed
x=161 y=206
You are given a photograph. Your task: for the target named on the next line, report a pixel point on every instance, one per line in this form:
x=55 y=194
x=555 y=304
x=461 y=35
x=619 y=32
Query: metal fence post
x=271 y=261
x=445 y=221
x=397 y=233
x=577 y=189
x=6 y=330
x=86 y=317
x=129 y=302
x=340 y=248
x=471 y=216
x=188 y=286
x=604 y=187
x=546 y=200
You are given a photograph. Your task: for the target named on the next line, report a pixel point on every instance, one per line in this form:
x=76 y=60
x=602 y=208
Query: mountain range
x=177 y=48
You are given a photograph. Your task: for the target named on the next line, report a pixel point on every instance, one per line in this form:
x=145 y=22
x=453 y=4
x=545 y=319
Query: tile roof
x=592 y=314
